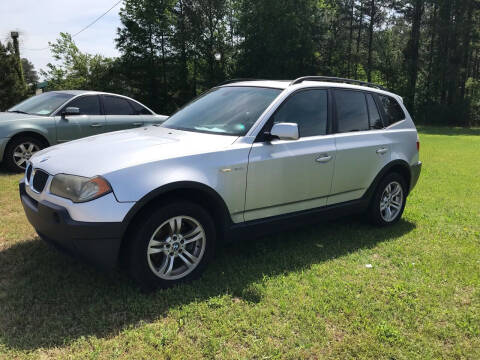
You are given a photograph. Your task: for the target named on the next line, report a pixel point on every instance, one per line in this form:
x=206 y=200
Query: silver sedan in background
x=59 y=116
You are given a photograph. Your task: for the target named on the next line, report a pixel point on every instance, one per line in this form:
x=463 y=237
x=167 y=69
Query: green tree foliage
x=428 y=51
x=12 y=90
x=76 y=70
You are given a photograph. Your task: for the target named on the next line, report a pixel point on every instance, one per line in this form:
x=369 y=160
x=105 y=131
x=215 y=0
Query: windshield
x=43 y=104
x=226 y=110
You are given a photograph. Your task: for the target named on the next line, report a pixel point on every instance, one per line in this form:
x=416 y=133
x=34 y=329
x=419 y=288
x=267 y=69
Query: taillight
x=418 y=145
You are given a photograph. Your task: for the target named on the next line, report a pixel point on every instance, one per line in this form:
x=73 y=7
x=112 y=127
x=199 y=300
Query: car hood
x=8 y=116
x=102 y=154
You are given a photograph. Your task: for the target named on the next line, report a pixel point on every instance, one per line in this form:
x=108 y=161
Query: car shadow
x=48 y=299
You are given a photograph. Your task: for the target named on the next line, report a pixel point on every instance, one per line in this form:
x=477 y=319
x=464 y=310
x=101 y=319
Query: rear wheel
x=389 y=200
x=173 y=244
x=19 y=151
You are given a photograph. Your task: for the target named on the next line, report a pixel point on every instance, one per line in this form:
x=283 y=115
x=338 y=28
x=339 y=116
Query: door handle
x=382 y=151
x=137 y=124
x=324 y=158
x=96 y=125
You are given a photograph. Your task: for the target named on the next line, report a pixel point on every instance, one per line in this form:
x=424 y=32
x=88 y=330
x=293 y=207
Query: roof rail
x=236 y=80
x=338 y=80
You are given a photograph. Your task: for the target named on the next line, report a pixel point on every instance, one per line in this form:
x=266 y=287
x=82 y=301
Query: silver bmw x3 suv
x=243 y=158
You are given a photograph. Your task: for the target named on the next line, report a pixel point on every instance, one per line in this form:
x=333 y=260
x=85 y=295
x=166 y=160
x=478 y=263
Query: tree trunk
x=370 y=40
x=412 y=53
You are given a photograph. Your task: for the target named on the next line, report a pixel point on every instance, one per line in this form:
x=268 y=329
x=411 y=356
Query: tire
x=19 y=151
x=154 y=245
x=389 y=200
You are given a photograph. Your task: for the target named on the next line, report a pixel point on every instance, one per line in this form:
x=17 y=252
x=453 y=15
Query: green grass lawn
x=301 y=294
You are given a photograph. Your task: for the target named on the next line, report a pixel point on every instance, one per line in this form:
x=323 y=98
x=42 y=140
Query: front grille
x=28 y=172
x=39 y=180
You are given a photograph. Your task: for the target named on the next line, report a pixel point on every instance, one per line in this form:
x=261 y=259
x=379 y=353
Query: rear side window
x=308 y=109
x=375 y=119
x=139 y=109
x=393 y=111
x=117 y=106
x=88 y=105
x=351 y=110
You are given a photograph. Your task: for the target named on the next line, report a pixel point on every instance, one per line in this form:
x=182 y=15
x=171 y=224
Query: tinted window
x=139 y=109
x=351 y=109
x=117 y=106
x=375 y=119
x=88 y=105
x=393 y=111
x=308 y=109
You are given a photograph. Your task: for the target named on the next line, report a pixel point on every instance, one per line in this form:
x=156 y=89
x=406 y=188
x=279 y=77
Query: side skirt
x=260 y=227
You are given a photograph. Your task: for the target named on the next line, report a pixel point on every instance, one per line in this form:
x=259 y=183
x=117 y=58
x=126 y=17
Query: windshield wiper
x=18 y=112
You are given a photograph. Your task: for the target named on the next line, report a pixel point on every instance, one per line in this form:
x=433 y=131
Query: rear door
x=120 y=114
x=90 y=121
x=362 y=149
x=292 y=175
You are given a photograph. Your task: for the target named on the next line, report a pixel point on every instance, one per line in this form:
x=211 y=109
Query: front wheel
x=173 y=244
x=389 y=200
x=19 y=151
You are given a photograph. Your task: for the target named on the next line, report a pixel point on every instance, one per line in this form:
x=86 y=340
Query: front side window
x=308 y=109
x=88 y=105
x=351 y=110
x=117 y=106
x=44 y=104
x=393 y=110
x=230 y=110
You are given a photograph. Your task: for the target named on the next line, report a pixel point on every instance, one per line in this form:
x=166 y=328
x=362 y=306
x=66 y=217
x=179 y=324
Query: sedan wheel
x=19 y=151
x=23 y=152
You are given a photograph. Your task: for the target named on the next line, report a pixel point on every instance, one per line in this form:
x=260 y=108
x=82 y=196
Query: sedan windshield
x=43 y=104
x=227 y=110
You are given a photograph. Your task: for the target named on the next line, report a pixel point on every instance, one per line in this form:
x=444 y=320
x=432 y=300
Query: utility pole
x=14 y=35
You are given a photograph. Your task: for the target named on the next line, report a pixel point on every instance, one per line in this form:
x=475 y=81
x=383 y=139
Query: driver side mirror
x=71 y=110
x=285 y=131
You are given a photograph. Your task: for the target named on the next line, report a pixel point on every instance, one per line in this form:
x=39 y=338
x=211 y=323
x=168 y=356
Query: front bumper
x=95 y=242
x=3 y=144
x=415 y=174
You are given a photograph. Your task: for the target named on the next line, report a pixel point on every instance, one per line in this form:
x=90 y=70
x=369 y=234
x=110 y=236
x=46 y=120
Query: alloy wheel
x=23 y=152
x=176 y=247
x=391 y=201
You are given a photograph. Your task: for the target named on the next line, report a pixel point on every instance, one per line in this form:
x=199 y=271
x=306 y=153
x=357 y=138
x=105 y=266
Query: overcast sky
x=41 y=21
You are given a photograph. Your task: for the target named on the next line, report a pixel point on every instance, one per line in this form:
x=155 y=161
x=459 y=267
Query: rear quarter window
x=392 y=109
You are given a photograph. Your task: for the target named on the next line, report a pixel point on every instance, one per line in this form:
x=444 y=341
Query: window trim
x=65 y=105
x=269 y=123
x=335 y=111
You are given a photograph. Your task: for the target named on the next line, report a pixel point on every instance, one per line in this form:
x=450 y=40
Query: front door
x=291 y=175
x=89 y=122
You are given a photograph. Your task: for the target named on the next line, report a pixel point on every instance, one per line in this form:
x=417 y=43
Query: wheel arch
x=35 y=134
x=192 y=191
x=399 y=166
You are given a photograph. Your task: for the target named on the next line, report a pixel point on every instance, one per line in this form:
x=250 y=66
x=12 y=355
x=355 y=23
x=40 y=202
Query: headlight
x=79 y=188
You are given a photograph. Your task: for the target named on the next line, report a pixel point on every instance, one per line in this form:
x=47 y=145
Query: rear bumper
x=97 y=243
x=415 y=174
